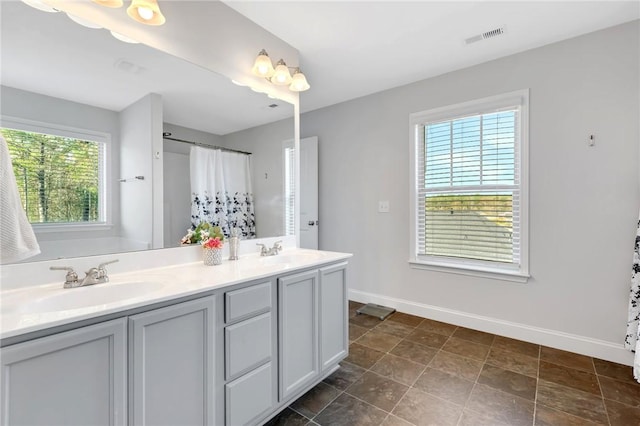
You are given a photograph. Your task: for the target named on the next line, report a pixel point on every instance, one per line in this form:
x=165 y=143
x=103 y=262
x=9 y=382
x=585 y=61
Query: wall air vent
x=485 y=35
x=273 y=106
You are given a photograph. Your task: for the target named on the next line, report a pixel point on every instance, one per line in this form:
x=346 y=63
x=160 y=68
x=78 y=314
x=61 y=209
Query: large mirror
x=61 y=76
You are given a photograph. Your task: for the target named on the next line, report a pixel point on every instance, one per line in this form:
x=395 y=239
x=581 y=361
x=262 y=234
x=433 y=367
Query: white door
x=309 y=193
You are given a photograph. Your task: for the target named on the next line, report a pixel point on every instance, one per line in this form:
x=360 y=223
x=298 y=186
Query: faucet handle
x=263 y=249
x=71 y=277
x=103 y=264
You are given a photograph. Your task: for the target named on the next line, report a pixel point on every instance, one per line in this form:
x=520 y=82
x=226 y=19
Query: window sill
x=496 y=274
x=39 y=228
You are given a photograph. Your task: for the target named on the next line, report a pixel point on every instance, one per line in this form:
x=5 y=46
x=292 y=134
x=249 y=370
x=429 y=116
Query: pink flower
x=212 y=243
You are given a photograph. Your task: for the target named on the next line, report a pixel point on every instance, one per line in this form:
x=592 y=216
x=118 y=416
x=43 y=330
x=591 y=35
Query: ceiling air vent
x=485 y=35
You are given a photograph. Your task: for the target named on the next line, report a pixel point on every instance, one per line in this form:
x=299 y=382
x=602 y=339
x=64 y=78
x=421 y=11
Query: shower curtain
x=221 y=190
x=632 y=341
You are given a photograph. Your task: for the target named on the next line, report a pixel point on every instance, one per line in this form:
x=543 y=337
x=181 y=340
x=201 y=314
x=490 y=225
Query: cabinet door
x=298 y=331
x=334 y=339
x=171 y=365
x=72 y=378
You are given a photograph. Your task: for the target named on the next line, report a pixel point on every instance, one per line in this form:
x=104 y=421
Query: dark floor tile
x=345 y=376
x=501 y=406
x=518 y=346
x=474 y=336
x=288 y=417
x=363 y=356
x=569 y=377
x=508 y=381
x=406 y=319
x=567 y=359
x=622 y=414
x=465 y=368
x=546 y=416
x=420 y=409
x=349 y=411
x=355 y=331
x=427 y=338
x=513 y=361
x=581 y=404
x=395 y=328
x=626 y=393
x=312 y=402
x=355 y=305
x=615 y=371
x=380 y=391
x=445 y=386
x=414 y=351
x=471 y=418
x=438 y=327
x=399 y=369
x=366 y=321
x=378 y=340
x=392 y=420
x=466 y=348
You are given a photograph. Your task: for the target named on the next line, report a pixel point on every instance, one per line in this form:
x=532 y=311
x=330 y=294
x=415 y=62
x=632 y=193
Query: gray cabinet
x=334 y=311
x=250 y=353
x=171 y=355
x=298 y=331
x=72 y=378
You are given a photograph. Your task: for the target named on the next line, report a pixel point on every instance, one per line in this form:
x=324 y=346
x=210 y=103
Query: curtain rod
x=167 y=135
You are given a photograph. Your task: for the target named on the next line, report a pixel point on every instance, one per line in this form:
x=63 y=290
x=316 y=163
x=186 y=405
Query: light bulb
x=145 y=13
x=281 y=75
x=263 y=66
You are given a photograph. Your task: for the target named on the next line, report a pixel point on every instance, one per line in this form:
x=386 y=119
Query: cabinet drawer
x=247 y=301
x=249 y=396
x=247 y=345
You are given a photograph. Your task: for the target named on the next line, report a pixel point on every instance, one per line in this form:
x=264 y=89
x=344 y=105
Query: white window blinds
x=289 y=192
x=468 y=187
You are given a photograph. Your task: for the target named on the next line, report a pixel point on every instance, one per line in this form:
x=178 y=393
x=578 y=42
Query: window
x=470 y=187
x=60 y=173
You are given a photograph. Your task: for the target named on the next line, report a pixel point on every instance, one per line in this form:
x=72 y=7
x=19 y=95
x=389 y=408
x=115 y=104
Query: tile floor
x=408 y=370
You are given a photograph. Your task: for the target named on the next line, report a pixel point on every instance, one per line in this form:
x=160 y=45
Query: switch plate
x=383 y=206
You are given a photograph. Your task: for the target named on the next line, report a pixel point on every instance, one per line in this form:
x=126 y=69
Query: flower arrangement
x=202 y=233
x=212 y=243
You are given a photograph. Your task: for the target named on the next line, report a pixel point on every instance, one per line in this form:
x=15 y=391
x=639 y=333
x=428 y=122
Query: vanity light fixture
x=110 y=3
x=146 y=12
x=279 y=75
x=37 y=4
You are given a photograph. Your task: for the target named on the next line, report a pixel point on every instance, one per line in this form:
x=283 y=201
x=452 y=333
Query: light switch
x=383 y=206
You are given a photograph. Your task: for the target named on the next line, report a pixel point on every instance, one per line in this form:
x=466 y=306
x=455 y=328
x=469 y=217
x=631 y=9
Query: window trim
x=470 y=266
x=34 y=126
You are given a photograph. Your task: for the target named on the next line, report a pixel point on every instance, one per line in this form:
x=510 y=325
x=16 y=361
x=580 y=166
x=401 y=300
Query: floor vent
x=485 y=35
x=375 y=311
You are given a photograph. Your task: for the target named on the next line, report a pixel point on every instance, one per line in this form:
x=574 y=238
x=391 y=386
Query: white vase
x=212 y=256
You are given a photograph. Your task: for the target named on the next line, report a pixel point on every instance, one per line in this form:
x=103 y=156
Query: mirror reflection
x=74 y=83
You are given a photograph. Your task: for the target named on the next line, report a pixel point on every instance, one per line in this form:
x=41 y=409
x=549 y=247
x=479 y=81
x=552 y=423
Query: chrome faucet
x=264 y=251
x=93 y=276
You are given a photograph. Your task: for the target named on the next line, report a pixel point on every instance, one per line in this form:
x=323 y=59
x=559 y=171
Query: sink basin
x=59 y=299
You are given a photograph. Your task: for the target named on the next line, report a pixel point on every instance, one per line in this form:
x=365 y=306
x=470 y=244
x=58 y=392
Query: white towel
x=17 y=240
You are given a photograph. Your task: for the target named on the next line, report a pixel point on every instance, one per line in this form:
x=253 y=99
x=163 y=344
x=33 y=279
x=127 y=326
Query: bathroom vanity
x=225 y=345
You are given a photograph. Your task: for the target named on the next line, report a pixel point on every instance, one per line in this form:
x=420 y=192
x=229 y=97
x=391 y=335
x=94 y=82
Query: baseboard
x=553 y=338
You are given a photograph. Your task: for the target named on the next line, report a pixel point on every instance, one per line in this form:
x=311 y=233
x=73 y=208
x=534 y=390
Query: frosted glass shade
x=146 y=12
x=110 y=3
x=263 y=67
x=281 y=76
x=299 y=82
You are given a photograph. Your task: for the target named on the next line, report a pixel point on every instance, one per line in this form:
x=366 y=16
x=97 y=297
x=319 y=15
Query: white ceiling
x=349 y=49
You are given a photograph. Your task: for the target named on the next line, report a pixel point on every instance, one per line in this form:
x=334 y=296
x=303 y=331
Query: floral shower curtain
x=221 y=190
x=632 y=341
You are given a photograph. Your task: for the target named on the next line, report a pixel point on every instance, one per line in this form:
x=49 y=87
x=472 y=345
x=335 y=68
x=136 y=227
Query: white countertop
x=34 y=308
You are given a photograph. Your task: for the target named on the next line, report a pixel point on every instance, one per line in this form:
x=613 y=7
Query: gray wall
x=583 y=200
